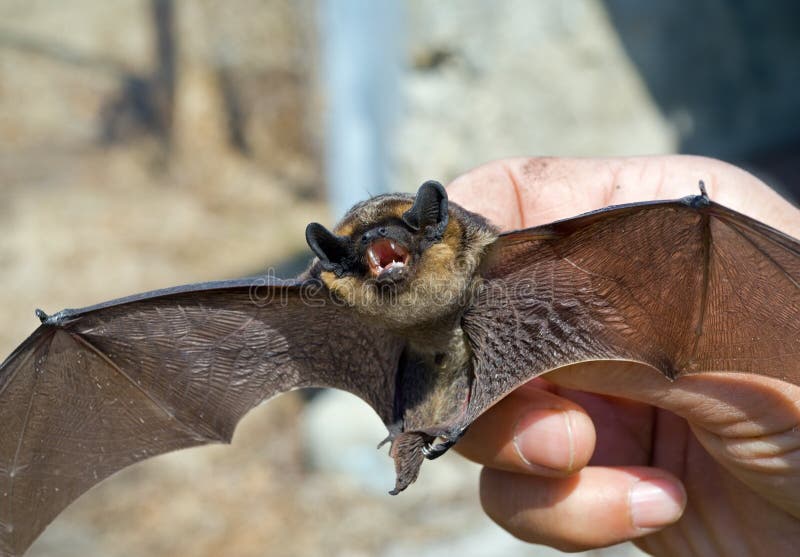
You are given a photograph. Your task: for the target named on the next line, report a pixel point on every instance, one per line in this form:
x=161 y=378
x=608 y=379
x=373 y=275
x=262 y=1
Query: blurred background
x=147 y=143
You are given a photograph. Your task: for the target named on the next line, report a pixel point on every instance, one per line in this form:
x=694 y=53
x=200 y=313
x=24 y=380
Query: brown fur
x=372 y=211
x=426 y=309
x=442 y=276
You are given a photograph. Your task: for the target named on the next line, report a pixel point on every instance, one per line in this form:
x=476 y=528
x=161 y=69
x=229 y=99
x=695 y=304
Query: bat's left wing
x=685 y=286
x=94 y=390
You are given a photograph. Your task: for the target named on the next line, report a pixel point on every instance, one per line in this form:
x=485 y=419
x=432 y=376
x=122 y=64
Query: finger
x=530 y=191
x=531 y=431
x=749 y=423
x=766 y=463
x=623 y=428
x=728 y=404
x=594 y=508
x=490 y=191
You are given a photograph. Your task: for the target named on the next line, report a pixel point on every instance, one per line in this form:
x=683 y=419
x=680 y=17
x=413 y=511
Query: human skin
x=601 y=453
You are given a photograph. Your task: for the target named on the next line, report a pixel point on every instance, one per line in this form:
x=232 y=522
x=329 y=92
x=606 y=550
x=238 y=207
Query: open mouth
x=386 y=255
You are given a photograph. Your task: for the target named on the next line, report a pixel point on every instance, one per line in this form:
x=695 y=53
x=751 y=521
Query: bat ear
x=430 y=208
x=331 y=249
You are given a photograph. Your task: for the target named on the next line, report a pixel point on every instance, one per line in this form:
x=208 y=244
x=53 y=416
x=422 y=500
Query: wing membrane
x=95 y=390
x=685 y=286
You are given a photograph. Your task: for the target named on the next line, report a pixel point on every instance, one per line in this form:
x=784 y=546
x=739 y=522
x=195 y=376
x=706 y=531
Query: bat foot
x=411 y=448
x=432 y=452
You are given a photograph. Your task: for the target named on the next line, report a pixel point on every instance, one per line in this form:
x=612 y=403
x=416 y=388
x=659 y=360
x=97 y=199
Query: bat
x=416 y=305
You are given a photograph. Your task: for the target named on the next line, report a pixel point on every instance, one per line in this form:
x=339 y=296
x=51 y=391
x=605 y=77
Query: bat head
x=401 y=259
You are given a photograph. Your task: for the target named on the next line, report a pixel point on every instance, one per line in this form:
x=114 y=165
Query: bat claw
x=395 y=429
x=698 y=201
x=386 y=440
x=703 y=192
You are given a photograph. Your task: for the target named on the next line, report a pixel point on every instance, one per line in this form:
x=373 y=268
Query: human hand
x=601 y=453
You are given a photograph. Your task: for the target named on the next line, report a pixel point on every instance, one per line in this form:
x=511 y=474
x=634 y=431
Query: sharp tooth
x=373 y=257
x=393 y=245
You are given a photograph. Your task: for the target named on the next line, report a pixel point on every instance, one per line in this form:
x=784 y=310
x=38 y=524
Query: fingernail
x=543 y=437
x=656 y=503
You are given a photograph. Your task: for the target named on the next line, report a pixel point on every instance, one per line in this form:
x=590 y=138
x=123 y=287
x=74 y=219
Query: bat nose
x=375 y=234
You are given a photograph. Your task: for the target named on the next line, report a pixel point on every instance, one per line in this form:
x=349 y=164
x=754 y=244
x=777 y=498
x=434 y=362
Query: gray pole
x=361 y=63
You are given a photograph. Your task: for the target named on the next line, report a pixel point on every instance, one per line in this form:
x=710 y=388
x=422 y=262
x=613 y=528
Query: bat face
x=402 y=260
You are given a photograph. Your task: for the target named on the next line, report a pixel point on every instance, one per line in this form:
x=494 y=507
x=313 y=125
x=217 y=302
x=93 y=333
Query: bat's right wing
x=686 y=286
x=94 y=390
